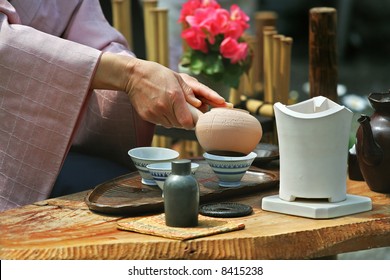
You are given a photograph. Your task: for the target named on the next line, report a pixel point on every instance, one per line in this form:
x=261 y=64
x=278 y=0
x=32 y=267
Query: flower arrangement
x=214 y=39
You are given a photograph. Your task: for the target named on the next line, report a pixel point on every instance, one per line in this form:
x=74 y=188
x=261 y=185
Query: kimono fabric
x=49 y=50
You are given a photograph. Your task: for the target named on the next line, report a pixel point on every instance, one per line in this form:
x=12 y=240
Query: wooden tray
x=126 y=195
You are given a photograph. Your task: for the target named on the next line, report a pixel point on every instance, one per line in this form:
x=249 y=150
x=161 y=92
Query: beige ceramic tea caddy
x=227 y=131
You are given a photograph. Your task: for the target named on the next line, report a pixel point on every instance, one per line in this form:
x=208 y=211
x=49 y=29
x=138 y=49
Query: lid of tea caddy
x=181 y=167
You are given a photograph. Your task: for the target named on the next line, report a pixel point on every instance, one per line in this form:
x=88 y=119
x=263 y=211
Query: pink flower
x=201 y=18
x=234 y=50
x=209 y=20
x=234 y=30
x=237 y=23
x=238 y=16
x=195 y=39
x=200 y=22
x=190 y=7
x=219 y=21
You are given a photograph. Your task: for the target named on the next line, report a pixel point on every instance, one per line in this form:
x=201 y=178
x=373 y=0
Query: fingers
x=188 y=90
x=183 y=114
x=202 y=93
x=212 y=104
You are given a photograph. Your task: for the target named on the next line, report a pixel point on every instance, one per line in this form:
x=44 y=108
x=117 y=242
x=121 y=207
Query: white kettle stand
x=317 y=209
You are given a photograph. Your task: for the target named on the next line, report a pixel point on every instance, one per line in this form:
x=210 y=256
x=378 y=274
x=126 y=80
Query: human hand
x=158 y=94
x=201 y=92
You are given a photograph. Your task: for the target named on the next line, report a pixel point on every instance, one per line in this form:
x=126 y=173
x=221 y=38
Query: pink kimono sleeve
x=45 y=103
x=110 y=125
x=44 y=82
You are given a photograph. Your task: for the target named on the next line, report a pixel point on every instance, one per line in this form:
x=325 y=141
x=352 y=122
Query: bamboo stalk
x=268 y=50
x=285 y=69
x=262 y=19
x=235 y=96
x=276 y=62
x=247 y=86
x=156 y=141
x=121 y=20
x=159 y=51
x=150 y=29
x=257 y=67
x=160 y=18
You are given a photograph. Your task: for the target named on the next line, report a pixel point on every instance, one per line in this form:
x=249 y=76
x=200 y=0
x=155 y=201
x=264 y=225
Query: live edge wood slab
x=65 y=228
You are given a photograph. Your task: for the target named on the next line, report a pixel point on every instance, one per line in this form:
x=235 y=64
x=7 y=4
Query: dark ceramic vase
x=373 y=144
x=181 y=196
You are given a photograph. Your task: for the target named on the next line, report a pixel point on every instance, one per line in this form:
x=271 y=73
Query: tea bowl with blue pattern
x=142 y=156
x=229 y=169
x=161 y=171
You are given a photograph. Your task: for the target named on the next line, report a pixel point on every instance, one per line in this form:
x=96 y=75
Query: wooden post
x=323 y=52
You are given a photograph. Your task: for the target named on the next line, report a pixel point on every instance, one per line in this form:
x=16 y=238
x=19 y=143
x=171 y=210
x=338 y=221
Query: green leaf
x=213 y=64
x=197 y=63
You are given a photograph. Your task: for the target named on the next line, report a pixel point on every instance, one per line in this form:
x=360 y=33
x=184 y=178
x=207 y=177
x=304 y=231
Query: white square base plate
x=317 y=209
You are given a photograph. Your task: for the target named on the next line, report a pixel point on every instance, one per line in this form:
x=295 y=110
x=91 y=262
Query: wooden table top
x=65 y=228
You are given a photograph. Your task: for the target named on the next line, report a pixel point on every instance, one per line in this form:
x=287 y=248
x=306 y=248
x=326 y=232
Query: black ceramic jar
x=181 y=196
